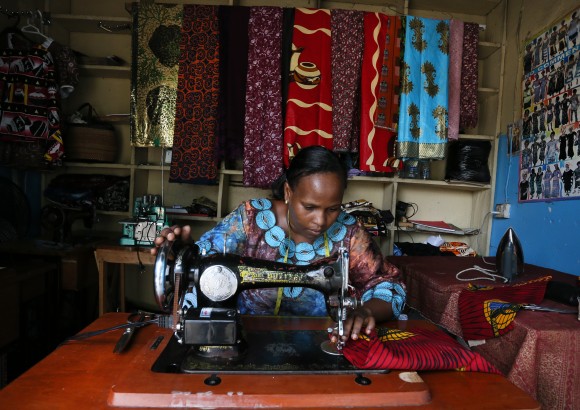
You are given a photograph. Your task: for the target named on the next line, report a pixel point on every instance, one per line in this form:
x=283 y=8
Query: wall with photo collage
x=550 y=144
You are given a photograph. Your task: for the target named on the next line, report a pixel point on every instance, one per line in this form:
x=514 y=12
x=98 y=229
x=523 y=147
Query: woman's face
x=314 y=204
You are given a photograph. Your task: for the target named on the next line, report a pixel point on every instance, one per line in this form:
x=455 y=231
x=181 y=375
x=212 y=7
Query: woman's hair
x=310 y=160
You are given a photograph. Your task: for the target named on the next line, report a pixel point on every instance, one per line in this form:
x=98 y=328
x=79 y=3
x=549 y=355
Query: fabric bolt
x=469 y=77
x=156 y=34
x=424 y=89
x=346 y=58
x=487 y=312
x=379 y=92
x=193 y=156
x=253 y=231
x=233 y=65
x=413 y=349
x=263 y=147
x=455 y=63
x=309 y=106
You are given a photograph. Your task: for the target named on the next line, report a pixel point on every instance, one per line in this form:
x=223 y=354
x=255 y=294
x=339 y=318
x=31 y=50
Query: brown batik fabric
x=156 y=37
x=346 y=57
x=263 y=160
x=469 y=78
x=193 y=159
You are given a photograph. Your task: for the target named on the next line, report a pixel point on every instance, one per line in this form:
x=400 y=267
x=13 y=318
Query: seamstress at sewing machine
x=304 y=223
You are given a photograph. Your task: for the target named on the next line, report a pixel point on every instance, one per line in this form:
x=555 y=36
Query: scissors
x=134 y=320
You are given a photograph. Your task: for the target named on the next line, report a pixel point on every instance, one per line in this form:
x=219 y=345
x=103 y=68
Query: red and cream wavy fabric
x=347 y=50
x=309 y=105
x=379 y=97
x=414 y=349
x=193 y=158
x=263 y=122
x=489 y=312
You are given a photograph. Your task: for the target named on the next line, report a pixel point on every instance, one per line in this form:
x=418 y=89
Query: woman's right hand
x=171 y=234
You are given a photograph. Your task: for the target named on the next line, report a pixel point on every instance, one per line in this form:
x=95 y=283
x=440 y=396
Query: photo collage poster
x=550 y=142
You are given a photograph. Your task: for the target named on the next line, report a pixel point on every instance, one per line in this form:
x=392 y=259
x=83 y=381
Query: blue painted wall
x=548 y=231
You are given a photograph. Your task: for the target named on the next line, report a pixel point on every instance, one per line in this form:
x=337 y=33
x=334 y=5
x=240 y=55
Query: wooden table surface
x=87 y=375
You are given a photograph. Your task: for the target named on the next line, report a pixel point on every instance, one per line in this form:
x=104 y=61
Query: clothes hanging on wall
x=469 y=76
x=156 y=36
x=233 y=62
x=346 y=57
x=424 y=89
x=309 y=106
x=263 y=147
x=379 y=92
x=193 y=157
x=29 y=103
x=455 y=63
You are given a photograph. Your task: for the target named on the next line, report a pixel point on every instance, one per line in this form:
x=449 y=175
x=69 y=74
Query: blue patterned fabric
x=423 y=109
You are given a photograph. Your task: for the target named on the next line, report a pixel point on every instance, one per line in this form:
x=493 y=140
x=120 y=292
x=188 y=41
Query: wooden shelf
x=109 y=71
x=93 y=24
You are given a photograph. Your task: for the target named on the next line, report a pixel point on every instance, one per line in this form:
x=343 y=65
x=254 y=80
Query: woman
x=303 y=223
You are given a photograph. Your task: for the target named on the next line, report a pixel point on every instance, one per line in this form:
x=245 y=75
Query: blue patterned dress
x=252 y=231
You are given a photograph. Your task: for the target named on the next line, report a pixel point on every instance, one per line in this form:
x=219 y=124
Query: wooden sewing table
x=87 y=375
x=114 y=253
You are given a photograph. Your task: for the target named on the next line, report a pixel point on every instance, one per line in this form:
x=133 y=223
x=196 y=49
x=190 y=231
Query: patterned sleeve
x=371 y=275
x=229 y=232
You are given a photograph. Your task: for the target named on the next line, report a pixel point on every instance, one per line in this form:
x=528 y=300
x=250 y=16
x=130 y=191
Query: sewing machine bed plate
x=268 y=352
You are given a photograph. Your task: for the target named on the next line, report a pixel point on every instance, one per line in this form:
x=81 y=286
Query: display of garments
x=379 y=96
x=233 y=49
x=193 y=157
x=346 y=56
x=309 y=106
x=424 y=89
x=263 y=119
x=252 y=231
x=469 y=77
x=455 y=63
x=156 y=34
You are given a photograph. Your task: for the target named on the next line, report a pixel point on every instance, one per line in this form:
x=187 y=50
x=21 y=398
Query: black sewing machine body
x=211 y=334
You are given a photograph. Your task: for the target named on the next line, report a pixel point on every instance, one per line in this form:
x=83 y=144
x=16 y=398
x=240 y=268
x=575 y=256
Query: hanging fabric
x=469 y=76
x=233 y=29
x=346 y=52
x=309 y=105
x=379 y=94
x=193 y=157
x=424 y=89
x=263 y=120
x=156 y=36
x=455 y=63
x=30 y=110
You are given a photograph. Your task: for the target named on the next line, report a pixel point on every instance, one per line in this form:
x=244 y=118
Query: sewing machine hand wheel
x=171 y=259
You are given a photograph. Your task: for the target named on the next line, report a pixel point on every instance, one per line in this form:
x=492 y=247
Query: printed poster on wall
x=550 y=145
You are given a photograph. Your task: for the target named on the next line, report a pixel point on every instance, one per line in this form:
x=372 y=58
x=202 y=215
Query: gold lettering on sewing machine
x=253 y=275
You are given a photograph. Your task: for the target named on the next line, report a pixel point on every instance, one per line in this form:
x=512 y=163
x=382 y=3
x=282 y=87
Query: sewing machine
x=211 y=333
x=148 y=220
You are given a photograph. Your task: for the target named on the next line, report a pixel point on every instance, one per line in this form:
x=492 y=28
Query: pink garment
x=455 y=62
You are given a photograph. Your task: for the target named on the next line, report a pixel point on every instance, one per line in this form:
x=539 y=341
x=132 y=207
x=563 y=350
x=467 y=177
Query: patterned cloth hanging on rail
x=233 y=29
x=193 y=158
x=379 y=92
x=469 y=76
x=263 y=128
x=455 y=63
x=156 y=36
x=424 y=89
x=346 y=50
x=309 y=104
